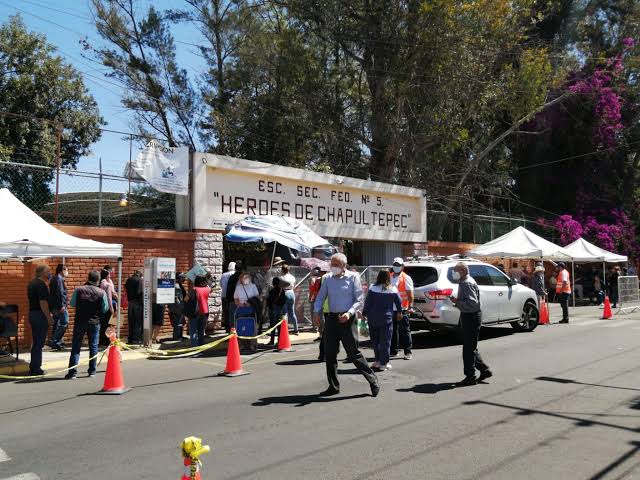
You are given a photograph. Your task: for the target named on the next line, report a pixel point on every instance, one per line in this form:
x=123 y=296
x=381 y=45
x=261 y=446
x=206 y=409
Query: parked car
x=503 y=299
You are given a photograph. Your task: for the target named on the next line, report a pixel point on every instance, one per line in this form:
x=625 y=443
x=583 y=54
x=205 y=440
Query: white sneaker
x=408 y=356
x=385 y=367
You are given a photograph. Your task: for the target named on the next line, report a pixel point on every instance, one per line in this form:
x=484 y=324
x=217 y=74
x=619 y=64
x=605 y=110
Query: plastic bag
x=363 y=328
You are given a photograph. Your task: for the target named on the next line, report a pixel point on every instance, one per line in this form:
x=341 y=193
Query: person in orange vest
x=402 y=328
x=563 y=290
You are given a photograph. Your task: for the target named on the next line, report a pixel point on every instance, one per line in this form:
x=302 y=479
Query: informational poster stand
x=158 y=288
x=629 y=294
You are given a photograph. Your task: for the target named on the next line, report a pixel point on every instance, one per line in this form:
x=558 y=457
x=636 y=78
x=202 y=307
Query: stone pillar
x=207 y=251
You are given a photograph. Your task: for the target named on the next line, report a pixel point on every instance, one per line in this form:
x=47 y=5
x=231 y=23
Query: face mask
x=65 y=273
x=397 y=269
x=336 y=270
x=455 y=276
x=246 y=281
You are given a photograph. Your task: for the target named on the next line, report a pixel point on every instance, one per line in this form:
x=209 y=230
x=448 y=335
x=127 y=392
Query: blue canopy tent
x=276 y=229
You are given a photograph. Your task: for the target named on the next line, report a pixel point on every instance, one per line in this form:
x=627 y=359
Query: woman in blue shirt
x=378 y=309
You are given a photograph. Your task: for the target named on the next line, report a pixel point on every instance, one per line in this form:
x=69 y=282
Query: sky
x=65 y=23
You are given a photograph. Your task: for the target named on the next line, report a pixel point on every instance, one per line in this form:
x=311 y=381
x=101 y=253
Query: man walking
x=91 y=303
x=224 y=282
x=39 y=315
x=176 y=309
x=563 y=290
x=58 y=306
x=343 y=291
x=133 y=287
x=402 y=328
x=468 y=302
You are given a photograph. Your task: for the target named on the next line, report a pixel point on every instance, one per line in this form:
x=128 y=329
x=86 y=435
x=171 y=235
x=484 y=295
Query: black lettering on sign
x=379 y=201
x=285 y=207
x=263 y=207
x=251 y=206
x=226 y=205
x=270 y=187
x=404 y=221
x=308 y=212
x=366 y=199
x=274 y=207
x=331 y=214
x=261 y=184
x=321 y=213
x=238 y=205
x=299 y=211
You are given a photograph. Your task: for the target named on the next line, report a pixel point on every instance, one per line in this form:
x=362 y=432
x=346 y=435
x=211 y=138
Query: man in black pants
x=468 y=302
x=343 y=291
x=133 y=287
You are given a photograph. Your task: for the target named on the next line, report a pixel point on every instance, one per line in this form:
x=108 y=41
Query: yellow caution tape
x=200 y=349
x=263 y=334
x=57 y=372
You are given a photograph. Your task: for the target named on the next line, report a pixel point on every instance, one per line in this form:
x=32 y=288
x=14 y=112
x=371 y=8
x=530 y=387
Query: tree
x=141 y=54
x=41 y=97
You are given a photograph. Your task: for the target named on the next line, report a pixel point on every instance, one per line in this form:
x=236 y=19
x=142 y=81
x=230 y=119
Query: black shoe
x=36 y=373
x=393 y=354
x=317 y=339
x=484 y=375
x=375 y=389
x=329 y=392
x=92 y=374
x=564 y=320
x=467 y=382
x=70 y=376
x=58 y=348
x=296 y=333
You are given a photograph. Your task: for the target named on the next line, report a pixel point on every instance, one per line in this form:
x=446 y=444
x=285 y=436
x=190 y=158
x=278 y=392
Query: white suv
x=503 y=300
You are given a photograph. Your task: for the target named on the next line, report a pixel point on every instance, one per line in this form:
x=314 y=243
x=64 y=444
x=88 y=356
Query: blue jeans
x=60 y=324
x=39 y=328
x=197 y=326
x=291 y=309
x=380 y=335
x=93 y=335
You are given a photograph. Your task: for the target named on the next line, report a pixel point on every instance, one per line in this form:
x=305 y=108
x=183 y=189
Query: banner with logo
x=165 y=168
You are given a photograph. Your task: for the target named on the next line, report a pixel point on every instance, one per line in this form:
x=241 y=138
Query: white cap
x=232 y=266
x=398 y=260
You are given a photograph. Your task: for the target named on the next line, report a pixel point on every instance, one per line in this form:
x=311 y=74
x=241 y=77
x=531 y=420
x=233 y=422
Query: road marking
x=3 y=456
x=23 y=476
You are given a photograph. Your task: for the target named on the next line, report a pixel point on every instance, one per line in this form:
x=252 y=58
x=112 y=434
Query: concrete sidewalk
x=58 y=360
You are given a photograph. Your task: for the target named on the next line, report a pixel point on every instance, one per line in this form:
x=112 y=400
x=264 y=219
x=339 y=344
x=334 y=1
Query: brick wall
x=138 y=244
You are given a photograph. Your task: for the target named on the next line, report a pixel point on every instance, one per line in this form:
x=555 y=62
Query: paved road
x=564 y=404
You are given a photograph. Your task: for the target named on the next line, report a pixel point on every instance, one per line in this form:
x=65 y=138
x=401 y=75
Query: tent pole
x=273 y=254
x=119 y=296
x=573 y=281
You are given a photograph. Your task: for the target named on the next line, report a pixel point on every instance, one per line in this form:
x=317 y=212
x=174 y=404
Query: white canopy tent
x=583 y=251
x=25 y=235
x=521 y=243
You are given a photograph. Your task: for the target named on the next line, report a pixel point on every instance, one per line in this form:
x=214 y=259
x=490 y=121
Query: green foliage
x=35 y=82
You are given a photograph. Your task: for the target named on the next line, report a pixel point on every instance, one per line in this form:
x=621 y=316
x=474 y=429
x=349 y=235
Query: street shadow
x=428 y=388
x=576 y=382
x=299 y=362
x=449 y=337
x=618 y=462
x=304 y=400
x=635 y=404
x=33 y=407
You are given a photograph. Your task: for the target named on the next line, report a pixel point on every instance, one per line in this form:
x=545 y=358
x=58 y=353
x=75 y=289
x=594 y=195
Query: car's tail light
x=439 y=294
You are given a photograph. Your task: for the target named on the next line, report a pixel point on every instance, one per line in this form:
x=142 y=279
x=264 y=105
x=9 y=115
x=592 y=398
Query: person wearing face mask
x=106 y=284
x=247 y=301
x=343 y=291
x=198 y=323
x=402 y=328
x=468 y=302
x=39 y=315
x=58 y=306
x=288 y=282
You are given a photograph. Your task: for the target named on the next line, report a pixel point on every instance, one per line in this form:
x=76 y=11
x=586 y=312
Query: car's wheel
x=529 y=319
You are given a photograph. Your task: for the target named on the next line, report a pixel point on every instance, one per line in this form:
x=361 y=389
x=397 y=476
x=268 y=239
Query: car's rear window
x=422 y=276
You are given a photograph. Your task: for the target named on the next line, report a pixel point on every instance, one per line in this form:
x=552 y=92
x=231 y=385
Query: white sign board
x=165 y=280
x=228 y=189
x=165 y=168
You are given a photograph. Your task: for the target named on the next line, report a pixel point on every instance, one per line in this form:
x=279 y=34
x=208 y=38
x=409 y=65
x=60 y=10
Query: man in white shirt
x=402 y=328
x=224 y=282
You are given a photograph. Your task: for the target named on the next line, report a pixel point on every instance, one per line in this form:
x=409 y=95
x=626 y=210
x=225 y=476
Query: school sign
x=227 y=189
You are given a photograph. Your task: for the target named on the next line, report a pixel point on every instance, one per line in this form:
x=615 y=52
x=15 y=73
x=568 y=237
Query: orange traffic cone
x=234 y=362
x=113 y=380
x=284 y=343
x=188 y=474
x=606 y=314
x=544 y=313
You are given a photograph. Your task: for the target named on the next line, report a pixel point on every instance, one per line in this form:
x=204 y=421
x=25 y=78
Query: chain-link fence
x=96 y=192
